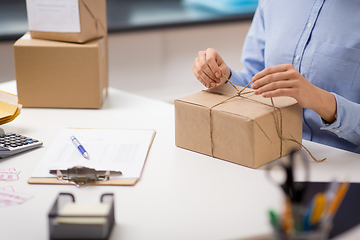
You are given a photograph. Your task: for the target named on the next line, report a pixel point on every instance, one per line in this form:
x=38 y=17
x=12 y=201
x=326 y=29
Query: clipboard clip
x=82 y=176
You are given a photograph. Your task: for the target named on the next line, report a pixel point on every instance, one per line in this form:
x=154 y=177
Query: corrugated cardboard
x=93 y=24
x=52 y=74
x=243 y=129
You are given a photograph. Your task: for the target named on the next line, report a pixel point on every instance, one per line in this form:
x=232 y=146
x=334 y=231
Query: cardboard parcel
x=91 y=15
x=51 y=74
x=245 y=129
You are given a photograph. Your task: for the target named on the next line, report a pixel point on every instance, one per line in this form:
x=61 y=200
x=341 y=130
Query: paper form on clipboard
x=123 y=150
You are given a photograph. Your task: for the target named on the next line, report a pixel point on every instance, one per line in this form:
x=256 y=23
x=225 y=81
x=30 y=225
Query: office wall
x=158 y=63
x=7 y=71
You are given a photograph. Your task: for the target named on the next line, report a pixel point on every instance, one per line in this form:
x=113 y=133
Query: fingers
x=199 y=74
x=285 y=80
x=276 y=78
x=270 y=79
x=272 y=70
x=207 y=69
x=213 y=61
x=277 y=89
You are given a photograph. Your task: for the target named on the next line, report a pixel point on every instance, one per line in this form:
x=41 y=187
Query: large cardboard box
x=92 y=16
x=243 y=130
x=52 y=74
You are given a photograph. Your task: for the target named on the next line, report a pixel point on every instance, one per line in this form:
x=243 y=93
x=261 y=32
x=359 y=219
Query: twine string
x=97 y=20
x=277 y=119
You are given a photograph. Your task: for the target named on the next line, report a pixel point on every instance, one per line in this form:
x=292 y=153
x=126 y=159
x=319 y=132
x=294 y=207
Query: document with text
x=53 y=15
x=123 y=150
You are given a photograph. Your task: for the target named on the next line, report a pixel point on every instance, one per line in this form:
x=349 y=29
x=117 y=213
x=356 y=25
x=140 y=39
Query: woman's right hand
x=208 y=68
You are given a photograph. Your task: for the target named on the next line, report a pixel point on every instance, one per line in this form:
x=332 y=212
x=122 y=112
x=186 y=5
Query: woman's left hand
x=285 y=80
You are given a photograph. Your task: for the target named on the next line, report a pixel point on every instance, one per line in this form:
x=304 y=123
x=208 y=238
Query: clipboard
x=81 y=176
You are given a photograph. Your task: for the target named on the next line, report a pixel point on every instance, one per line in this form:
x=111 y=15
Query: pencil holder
x=316 y=234
x=311 y=235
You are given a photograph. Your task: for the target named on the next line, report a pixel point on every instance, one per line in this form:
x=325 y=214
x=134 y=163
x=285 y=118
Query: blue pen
x=306 y=218
x=80 y=147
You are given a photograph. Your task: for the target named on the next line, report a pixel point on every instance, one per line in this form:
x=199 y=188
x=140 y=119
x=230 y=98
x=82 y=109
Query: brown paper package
x=244 y=129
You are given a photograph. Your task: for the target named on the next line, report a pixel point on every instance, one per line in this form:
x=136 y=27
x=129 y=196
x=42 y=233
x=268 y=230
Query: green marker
x=274 y=220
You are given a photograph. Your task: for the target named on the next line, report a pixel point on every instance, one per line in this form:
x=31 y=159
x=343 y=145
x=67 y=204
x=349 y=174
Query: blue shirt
x=321 y=39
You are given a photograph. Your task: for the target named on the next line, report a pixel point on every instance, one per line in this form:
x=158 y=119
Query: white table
x=181 y=194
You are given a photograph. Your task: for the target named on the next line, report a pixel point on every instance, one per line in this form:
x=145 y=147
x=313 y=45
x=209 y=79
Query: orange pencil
x=334 y=205
x=288 y=221
x=319 y=203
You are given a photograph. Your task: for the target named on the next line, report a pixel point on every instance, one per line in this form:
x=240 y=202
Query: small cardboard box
x=92 y=14
x=242 y=130
x=52 y=74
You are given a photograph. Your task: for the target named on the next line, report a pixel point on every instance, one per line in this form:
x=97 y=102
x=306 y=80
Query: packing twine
x=278 y=120
x=97 y=20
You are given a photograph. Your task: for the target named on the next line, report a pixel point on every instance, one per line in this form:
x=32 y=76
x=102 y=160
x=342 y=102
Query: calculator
x=12 y=143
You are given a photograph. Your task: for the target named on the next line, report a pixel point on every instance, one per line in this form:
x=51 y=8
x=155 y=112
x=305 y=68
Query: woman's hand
x=285 y=80
x=208 y=67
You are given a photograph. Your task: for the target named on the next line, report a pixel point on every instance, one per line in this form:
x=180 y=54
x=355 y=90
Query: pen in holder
x=69 y=220
x=285 y=227
x=298 y=221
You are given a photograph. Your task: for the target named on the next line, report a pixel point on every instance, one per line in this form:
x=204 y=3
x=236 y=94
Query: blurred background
x=152 y=43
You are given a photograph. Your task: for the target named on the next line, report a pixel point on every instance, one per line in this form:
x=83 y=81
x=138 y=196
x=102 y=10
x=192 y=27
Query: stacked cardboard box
x=64 y=69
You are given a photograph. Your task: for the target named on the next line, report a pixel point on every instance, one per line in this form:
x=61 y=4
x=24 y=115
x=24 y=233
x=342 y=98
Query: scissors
x=294 y=190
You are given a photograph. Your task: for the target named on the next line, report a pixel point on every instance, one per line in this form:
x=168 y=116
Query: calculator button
x=4 y=149
x=29 y=141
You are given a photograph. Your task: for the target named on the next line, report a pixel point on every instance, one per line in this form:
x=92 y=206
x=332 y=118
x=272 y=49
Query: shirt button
x=297 y=57
x=309 y=25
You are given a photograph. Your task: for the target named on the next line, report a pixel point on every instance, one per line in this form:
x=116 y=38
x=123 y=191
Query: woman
x=308 y=50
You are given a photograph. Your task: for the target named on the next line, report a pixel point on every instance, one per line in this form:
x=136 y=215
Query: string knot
x=278 y=121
